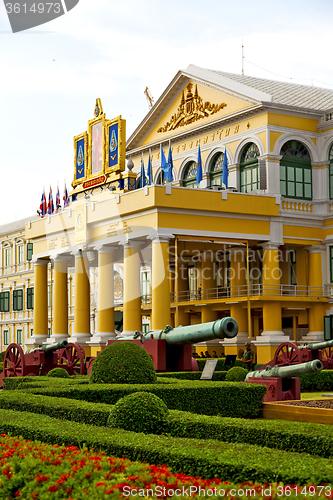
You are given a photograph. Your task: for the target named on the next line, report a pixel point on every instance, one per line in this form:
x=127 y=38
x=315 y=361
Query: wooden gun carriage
x=43 y=359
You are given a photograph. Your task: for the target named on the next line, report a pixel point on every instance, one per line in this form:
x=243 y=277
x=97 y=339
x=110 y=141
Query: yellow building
x=180 y=252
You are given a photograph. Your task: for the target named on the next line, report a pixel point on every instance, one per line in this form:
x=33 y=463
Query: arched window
x=216 y=170
x=161 y=179
x=330 y=173
x=190 y=175
x=295 y=171
x=249 y=168
x=138 y=182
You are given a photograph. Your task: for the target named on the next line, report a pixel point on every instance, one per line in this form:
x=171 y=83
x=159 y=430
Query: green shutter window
x=19 y=337
x=190 y=175
x=6 y=337
x=4 y=301
x=29 y=251
x=249 y=168
x=216 y=170
x=295 y=171
x=331 y=264
x=328 y=327
x=18 y=300
x=30 y=298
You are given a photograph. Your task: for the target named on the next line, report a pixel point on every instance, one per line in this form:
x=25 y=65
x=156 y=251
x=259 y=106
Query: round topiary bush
x=58 y=372
x=123 y=362
x=139 y=412
x=236 y=374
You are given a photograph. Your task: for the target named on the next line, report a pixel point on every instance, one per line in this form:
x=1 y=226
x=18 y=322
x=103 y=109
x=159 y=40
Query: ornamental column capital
x=315 y=248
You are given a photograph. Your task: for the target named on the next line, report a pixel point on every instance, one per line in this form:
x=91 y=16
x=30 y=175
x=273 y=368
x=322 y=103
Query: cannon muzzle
x=286 y=371
x=52 y=347
x=225 y=328
x=318 y=345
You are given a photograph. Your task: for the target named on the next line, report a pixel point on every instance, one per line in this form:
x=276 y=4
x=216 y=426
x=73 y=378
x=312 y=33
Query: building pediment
x=195 y=97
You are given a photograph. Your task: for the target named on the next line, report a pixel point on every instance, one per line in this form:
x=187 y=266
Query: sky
x=51 y=75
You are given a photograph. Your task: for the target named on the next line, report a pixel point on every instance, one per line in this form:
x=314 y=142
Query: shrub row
x=315 y=439
x=190 y=375
x=66 y=409
x=208 y=398
x=14 y=383
x=317 y=381
x=195 y=457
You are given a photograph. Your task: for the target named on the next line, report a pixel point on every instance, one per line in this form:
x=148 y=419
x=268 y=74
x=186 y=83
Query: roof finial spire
x=242 y=57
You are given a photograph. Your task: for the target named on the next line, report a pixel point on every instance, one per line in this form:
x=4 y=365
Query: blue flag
x=199 y=167
x=143 y=174
x=150 y=171
x=170 y=163
x=225 y=169
x=166 y=166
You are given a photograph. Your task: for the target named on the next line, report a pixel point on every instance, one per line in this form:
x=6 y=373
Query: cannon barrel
x=287 y=371
x=183 y=335
x=52 y=347
x=318 y=345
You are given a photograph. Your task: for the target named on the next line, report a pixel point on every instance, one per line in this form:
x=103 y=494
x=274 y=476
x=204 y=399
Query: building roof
x=291 y=94
x=16 y=226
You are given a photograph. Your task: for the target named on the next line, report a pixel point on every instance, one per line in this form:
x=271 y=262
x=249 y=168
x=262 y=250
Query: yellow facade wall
x=308 y=233
x=274 y=136
x=295 y=122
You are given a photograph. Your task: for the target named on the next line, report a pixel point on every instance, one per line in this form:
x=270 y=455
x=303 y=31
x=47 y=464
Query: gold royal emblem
x=191 y=108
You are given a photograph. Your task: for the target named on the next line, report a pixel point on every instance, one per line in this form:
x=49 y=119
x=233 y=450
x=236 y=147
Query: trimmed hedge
x=317 y=381
x=14 y=383
x=236 y=374
x=58 y=372
x=190 y=375
x=315 y=439
x=66 y=409
x=195 y=457
x=141 y=411
x=123 y=362
x=204 y=397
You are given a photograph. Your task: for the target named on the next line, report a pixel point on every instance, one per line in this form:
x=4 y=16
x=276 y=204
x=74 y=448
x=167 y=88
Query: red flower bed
x=33 y=470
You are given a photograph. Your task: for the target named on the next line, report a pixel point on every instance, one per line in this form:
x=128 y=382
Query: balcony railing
x=221 y=293
x=255 y=290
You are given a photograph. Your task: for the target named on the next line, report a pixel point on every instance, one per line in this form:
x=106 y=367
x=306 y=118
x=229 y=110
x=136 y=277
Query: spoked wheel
x=14 y=362
x=327 y=357
x=71 y=358
x=287 y=354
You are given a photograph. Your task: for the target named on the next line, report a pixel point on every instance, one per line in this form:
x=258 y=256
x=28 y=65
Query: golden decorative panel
x=191 y=109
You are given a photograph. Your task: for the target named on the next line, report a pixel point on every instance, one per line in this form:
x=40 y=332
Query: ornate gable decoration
x=99 y=153
x=191 y=109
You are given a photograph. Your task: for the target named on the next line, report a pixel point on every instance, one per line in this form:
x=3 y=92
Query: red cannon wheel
x=71 y=358
x=14 y=362
x=327 y=357
x=287 y=354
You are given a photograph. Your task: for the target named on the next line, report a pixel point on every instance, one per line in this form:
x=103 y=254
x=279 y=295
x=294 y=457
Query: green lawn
x=316 y=395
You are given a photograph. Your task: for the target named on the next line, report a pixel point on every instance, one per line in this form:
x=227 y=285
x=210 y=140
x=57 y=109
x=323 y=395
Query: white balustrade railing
x=296 y=206
x=221 y=293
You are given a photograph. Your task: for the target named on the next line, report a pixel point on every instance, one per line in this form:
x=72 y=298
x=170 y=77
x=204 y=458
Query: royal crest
x=80 y=157
x=113 y=142
x=191 y=108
